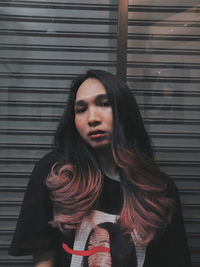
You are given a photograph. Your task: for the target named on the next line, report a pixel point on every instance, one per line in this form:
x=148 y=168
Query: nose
x=94 y=117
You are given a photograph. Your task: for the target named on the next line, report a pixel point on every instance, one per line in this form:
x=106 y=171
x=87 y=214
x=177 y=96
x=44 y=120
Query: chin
x=100 y=146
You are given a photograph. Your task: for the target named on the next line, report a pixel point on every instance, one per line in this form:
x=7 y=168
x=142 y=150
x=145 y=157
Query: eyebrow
x=97 y=98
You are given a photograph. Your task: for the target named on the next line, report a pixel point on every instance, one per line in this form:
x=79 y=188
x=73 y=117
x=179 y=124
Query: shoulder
x=44 y=165
x=48 y=160
x=173 y=191
x=171 y=188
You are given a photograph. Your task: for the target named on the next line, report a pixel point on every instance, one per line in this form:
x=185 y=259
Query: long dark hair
x=75 y=186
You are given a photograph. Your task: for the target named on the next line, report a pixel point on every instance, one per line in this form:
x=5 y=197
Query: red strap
x=85 y=252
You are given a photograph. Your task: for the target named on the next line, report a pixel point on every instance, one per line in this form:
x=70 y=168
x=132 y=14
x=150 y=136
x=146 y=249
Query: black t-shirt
x=34 y=234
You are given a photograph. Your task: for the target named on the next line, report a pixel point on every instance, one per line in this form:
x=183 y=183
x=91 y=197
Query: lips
x=96 y=134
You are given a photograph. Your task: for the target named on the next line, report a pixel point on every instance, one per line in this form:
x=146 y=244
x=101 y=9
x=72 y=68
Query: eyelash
x=102 y=104
x=105 y=104
x=81 y=110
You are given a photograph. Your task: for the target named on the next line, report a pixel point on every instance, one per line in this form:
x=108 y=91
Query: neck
x=107 y=162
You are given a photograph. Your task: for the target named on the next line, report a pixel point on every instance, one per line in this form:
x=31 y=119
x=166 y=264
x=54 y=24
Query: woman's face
x=93 y=114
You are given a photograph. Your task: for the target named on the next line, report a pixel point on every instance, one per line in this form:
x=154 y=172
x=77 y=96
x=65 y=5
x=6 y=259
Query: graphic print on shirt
x=102 y=240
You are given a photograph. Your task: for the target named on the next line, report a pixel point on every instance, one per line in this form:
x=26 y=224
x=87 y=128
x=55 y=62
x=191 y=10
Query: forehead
x=90 y=88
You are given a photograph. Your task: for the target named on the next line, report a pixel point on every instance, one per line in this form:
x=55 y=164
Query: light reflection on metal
x=122 y=39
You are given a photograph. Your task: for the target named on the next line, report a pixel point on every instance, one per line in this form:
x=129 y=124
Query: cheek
x=79 y=124
x=109 y=118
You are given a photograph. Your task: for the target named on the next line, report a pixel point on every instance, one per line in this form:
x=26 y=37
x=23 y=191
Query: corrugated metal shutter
x=43 y=45
x=163 y=69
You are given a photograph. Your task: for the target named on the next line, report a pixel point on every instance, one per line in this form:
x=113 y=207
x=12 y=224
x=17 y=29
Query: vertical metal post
x=122 y=36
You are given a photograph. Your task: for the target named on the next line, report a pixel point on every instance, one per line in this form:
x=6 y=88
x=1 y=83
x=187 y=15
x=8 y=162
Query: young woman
x=102 y=173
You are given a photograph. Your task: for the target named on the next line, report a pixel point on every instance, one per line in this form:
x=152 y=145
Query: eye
x=105 y=103
x=80 y=110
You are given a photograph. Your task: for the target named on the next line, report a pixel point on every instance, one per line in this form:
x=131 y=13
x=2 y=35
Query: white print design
x=83 y=232
x=87 y=225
